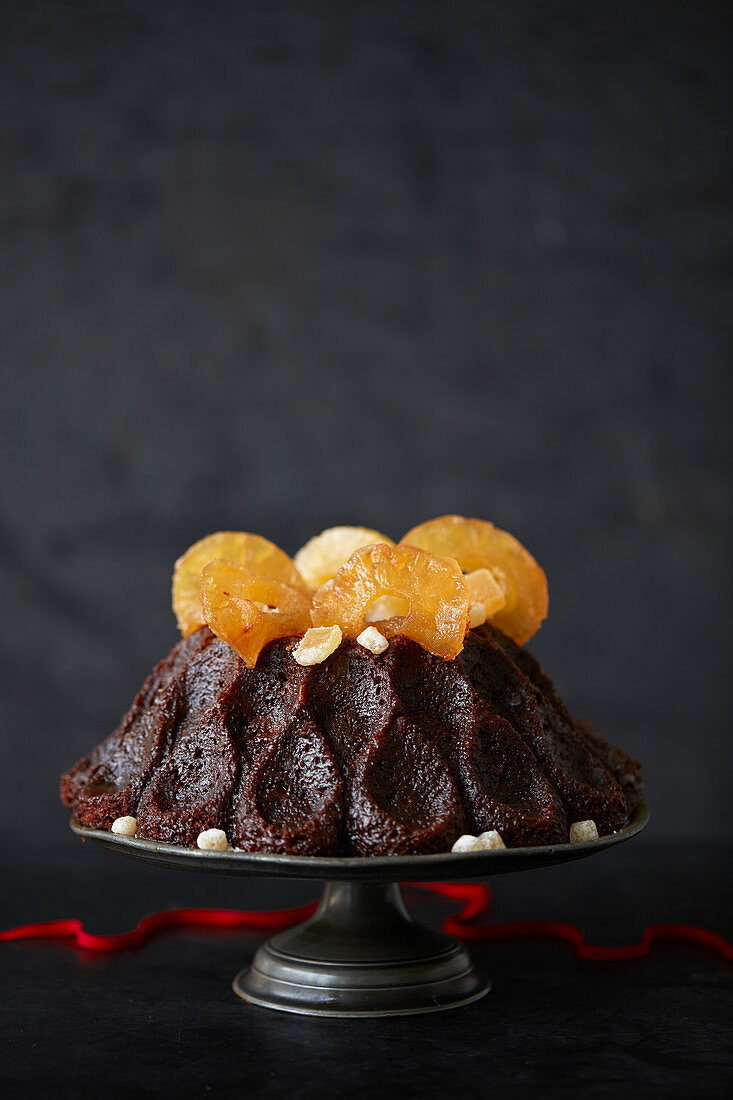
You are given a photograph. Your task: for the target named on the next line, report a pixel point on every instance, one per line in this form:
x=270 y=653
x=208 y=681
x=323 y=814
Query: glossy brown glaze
x=392 y=754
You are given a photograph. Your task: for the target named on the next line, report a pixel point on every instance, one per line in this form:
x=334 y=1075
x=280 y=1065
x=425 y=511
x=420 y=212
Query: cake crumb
x=490 y=841
x=212 y=840
x=583 y=830
x=372 y=640
x=317 y=644
x=124 y=826
x=467 y=843
x=476 y=615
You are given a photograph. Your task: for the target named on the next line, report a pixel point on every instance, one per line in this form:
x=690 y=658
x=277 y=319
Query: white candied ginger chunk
x=386 y=607
x=484 y=588
x=212 y=840
x=487 y=842
x=317 y=644
x=467 y=843
x=583 y=830
x=476 y=615
x=372 y=640
x=490 y=841
x=124 y=826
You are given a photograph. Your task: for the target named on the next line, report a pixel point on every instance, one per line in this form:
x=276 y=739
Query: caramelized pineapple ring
x=322 y=556
x=258 y=555
x=247 y=611
x=426 y=597
x=476 y=544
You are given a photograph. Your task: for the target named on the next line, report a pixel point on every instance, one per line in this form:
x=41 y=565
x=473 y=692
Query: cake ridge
x=315 y=760
x=550 y=733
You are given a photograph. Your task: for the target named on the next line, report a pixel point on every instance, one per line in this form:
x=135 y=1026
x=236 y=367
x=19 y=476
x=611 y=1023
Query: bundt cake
x=385 y=748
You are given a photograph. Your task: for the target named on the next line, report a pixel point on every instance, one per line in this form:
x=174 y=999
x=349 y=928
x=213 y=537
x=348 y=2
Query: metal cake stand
x=361 y=954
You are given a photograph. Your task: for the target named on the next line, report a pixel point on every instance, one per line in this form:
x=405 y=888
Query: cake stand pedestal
x=361 y=954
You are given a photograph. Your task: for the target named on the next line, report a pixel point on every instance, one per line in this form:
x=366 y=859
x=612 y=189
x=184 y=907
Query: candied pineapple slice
x=248 y=611
x=476 y=544
x=322 y=556
x=431 y=592
x=258 y=555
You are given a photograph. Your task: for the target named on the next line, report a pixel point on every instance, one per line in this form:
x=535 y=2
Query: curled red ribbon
x=475 y=899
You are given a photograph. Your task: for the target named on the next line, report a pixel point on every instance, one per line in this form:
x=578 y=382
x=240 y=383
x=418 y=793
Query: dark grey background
x=276 y=266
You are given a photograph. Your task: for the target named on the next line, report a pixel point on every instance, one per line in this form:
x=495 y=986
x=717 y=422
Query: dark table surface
x=163 y=1019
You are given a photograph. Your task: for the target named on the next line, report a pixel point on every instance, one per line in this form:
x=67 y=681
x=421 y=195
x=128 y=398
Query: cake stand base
x=361 y=954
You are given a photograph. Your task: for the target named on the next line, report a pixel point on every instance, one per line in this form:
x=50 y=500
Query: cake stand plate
x=361 y=954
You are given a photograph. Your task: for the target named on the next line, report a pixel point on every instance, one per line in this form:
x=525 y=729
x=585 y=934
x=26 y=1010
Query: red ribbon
x=475 y=899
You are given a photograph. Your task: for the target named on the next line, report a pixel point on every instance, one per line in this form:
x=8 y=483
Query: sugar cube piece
x=490 y=840
x=317 y=644
x=467 y=843
x=372 y=640
x=124 y=826
x=583 y=830
x=212 y=840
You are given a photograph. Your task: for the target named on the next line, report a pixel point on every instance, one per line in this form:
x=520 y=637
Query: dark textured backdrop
x=277 y=266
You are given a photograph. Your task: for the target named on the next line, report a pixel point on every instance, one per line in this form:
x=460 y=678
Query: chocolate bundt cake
x=389 y=753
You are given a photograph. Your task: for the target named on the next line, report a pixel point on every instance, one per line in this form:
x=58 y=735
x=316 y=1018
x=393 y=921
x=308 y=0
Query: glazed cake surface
x=390 y=754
